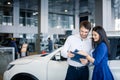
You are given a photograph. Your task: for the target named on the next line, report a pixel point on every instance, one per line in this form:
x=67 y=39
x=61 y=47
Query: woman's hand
x=84 y=61
x=82 y=53
x=88 y=57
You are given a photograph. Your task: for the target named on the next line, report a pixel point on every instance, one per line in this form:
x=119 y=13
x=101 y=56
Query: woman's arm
x=91 y=59
x=88 y=57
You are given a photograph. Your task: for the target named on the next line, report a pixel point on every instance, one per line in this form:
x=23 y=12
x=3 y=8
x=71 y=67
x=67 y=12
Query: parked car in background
x=53 y=66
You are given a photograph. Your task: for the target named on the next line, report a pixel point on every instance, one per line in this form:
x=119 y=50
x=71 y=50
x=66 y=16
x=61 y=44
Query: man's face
x=84 y=32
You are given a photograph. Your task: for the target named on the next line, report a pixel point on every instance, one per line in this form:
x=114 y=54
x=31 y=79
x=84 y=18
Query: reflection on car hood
x=27 y=59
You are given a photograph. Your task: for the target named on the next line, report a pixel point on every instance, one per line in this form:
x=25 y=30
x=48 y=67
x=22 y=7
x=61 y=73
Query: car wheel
x=23 y=76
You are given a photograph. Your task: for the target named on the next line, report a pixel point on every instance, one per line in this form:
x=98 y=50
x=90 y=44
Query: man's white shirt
x=76 y=42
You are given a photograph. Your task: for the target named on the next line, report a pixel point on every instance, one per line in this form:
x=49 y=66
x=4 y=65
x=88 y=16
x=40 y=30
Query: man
x=50 y=45
x=81 y=41
x=13 y=44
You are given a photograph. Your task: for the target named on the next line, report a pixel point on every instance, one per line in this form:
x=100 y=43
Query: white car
x=47 y=67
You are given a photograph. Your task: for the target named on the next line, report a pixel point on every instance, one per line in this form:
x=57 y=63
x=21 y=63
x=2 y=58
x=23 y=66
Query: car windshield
x=43 y=55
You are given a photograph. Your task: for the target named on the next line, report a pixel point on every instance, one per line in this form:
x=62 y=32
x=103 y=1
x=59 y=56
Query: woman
x=100 y=55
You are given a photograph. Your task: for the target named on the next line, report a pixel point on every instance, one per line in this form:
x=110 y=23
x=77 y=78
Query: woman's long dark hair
x=103 y=37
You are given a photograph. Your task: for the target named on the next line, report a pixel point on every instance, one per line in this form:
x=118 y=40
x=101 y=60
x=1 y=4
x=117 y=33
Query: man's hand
x=84 y=61
x=70 y=55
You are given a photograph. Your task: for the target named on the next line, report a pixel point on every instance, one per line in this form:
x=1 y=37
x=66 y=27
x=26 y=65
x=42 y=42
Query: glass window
x=61 y=16
x=116 y=12
x=6 y=12
x=60 y=21
x=28 y=13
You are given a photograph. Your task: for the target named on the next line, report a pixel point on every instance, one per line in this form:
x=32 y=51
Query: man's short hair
x=86 y=24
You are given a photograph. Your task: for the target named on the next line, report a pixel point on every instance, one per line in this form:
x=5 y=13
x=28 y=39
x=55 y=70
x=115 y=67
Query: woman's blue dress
x=101 y=70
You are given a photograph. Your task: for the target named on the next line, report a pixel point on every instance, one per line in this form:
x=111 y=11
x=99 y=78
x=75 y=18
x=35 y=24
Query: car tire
x=24 y=76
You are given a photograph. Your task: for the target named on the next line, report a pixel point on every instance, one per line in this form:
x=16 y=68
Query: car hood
x=27 y=59
x=38 y=57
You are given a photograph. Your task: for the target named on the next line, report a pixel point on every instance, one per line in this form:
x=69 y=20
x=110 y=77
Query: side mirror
x=58 y=56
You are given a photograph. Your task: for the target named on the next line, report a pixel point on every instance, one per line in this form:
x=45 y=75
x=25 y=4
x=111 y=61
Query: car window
x=115 y=48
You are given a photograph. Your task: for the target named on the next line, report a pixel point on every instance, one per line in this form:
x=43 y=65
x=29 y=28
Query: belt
x=77 y=68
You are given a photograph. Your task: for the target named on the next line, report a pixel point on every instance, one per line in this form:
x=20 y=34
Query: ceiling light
x=8 y=2
x=66 y=10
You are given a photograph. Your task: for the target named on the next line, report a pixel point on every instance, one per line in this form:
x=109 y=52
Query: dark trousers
x=77 y=73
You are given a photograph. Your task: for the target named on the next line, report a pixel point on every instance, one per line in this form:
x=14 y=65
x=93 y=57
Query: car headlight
x=10 y=66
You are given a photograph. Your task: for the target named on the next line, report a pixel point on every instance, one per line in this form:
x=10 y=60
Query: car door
x=57 y=68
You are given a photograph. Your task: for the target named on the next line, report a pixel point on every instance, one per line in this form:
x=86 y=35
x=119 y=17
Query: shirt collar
x=81 y=38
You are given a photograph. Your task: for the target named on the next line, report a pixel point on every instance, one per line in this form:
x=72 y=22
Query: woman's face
x=95 y=36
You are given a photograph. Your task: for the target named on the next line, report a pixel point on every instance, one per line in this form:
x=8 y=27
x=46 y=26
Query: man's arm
x=65 y=49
